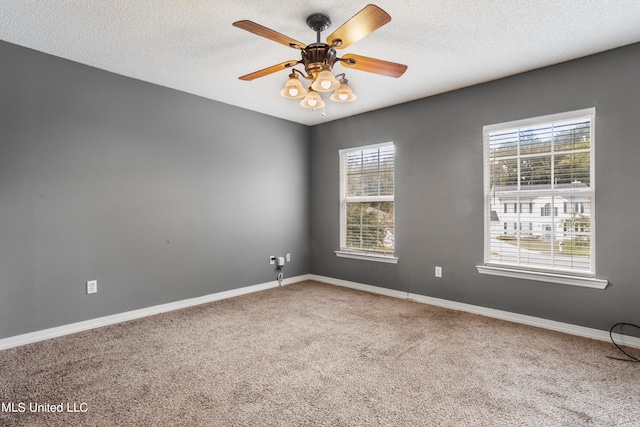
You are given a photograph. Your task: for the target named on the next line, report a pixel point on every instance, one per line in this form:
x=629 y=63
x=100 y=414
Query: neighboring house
x=539 y=215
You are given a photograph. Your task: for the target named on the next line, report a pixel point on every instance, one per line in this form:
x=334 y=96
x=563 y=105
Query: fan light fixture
x=293 y=89
x=324 y=81
x=319 y=58
x=313 y=100
x=343 y=93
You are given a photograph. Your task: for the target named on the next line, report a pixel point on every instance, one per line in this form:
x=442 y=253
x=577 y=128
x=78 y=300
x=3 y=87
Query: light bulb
x=343 y=93
x=312 y=100
x=325 y=81
x=293 y=89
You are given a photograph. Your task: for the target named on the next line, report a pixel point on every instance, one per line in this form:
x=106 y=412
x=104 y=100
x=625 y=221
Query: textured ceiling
x=190 y=45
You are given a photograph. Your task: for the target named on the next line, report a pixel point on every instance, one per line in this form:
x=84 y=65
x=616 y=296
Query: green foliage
x=370 y=226
x=578 y=223
x=527 y=157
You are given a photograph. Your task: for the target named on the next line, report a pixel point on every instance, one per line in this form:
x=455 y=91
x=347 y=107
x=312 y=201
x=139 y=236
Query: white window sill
x=367 y=257
x=587 y=282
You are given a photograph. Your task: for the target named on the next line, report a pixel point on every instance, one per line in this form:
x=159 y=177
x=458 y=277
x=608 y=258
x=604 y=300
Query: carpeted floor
x=312 y=354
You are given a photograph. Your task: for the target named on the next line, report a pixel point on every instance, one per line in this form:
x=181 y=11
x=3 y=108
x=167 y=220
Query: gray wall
x=439 y=201
x=162 y=195
x=157 y=194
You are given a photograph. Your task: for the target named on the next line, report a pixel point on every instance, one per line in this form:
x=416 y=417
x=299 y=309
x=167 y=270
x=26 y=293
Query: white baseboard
x=72 y=328
x=567 y=328
x=359 y=286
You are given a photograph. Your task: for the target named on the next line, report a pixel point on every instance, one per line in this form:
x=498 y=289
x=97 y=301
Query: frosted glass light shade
x=293 y=89
x=343 y=93
x=325 y=82
x=313 y=100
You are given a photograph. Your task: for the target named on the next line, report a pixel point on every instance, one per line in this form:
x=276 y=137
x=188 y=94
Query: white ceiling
x=190 y=45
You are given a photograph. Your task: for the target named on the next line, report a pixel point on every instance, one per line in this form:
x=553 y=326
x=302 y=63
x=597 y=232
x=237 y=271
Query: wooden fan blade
x=269 y=70
x=372 y=65
x=363 y=23
x=258 y=29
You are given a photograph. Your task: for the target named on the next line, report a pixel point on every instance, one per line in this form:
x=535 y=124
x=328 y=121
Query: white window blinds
x=538 y=183
x=367 y=212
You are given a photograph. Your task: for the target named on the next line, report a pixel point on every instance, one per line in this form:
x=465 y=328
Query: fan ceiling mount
x=318 y=22
x=319 y=58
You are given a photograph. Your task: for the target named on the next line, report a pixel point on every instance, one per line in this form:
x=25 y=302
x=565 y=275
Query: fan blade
x=269 y=70
x=363 y=23
x=258 y=29
x=372 y=65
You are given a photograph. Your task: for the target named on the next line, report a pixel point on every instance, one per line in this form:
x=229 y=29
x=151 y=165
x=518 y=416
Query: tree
x=578 y=223
x=370 y=225
x=527 y=157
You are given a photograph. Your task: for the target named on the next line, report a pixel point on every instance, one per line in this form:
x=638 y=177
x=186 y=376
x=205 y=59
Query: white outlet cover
x=92 y=286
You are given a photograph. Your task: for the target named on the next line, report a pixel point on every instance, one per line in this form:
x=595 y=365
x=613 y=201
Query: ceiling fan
x=319 y=58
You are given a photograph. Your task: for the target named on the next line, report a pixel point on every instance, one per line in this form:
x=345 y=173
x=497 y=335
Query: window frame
x=344 y=251
x=577 y=278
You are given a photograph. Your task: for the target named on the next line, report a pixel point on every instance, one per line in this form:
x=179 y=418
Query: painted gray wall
x=157 y=194
x=439 y=201
x=162 y=195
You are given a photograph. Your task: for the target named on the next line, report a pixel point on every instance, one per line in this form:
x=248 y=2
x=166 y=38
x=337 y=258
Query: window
x=546 y=210
x=546 y=162
x=367 y=203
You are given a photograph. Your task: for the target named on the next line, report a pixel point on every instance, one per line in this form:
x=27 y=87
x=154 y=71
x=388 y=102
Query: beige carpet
x=312 y=354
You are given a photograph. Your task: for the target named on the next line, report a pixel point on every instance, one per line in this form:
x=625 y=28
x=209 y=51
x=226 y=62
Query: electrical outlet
x=438 y=271
x=92 y=286
x=288 y=257
x=272 y=260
